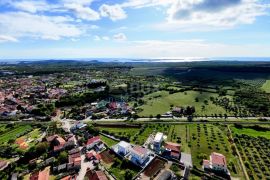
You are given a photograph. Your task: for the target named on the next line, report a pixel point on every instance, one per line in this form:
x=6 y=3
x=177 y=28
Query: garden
x=120 y=168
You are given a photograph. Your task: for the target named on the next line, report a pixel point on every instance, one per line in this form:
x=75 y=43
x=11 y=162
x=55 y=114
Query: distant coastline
x=148 y=60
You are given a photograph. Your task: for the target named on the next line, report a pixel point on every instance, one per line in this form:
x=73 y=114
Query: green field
x=110 y=142
x=14 y=133
x=160 y=102
x=251 y=132
x=266 y=86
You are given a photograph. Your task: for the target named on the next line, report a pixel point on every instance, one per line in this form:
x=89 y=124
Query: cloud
x=81 y=2
x=214 y=13
x=106 y=38
x=114 y=12
x=94 y=27
x=146 y=3
x=30 y=6
x=38 y=26
x=145 y=49
x=120 y=37
x=97 y=38
x=5 y=38
x=83 y=12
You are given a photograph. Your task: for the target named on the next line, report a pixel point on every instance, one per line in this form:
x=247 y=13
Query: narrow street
x=84 y=164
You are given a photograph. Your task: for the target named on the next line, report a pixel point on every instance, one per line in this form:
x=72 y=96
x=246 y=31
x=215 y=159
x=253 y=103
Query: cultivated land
x=253 y=146
x=14 y=133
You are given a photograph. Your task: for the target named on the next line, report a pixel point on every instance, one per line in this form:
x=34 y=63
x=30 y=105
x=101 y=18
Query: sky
x=42 y=29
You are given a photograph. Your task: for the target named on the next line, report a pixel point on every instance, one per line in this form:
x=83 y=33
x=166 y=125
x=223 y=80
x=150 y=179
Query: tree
x=63 y=157
x=42 y=148
x=158 y=116
x=128 y=175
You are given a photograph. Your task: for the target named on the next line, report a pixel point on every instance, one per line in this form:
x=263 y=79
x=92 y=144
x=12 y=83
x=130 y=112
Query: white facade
x=158 y=141
x=123 y=147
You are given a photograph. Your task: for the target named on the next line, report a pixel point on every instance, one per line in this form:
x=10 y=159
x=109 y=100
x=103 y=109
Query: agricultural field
x=161 y=101
x=14 y=132
x=266 y=86
x=255 y=154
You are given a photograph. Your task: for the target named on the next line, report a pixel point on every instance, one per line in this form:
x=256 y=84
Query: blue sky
x=39 y=29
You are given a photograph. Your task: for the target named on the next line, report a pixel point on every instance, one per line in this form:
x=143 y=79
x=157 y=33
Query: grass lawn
x=266 y=86
x=108 y=141
x=159 y=102
x=14 y=133
x=251 y=132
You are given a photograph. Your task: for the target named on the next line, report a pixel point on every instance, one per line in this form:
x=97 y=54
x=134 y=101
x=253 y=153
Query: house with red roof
x=74 y=160
x=59 y=144
x=217 y=162
x=172 y=150
x=96 y=175
x=41 y=175
x=69 y=177
x=95 y=141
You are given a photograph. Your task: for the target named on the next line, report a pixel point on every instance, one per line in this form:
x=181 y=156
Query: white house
x=158 y=141
x=123 y=147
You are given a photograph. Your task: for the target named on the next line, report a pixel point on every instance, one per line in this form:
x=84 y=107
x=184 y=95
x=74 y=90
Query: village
x=78 y=154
